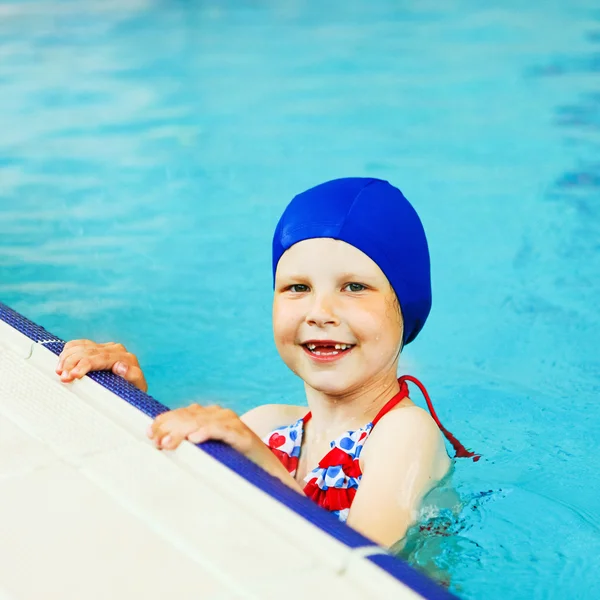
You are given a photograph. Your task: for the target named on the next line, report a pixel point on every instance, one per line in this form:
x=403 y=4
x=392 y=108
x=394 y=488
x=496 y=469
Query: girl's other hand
x=198 y=424
x=79 y=357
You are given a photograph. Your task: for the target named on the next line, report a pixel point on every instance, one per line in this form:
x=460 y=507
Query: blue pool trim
x=243 y=467
x=25 y=326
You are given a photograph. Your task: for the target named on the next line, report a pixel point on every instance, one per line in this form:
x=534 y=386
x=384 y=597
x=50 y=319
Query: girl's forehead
x=326 y=255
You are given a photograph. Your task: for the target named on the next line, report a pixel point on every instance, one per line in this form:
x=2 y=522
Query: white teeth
x=312 y=347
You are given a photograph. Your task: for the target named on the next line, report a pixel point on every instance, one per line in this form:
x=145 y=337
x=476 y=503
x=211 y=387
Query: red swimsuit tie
x=461 y=451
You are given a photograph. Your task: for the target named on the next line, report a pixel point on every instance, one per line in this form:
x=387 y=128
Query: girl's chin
x=332 y=384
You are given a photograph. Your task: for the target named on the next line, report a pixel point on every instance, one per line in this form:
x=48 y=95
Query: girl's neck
x=351 y=410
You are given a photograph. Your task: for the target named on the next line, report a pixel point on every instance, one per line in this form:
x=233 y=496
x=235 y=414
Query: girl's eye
x=298 y=288
x=355 y=287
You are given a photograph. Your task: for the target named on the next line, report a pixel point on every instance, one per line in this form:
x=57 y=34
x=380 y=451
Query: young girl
x=352 y=287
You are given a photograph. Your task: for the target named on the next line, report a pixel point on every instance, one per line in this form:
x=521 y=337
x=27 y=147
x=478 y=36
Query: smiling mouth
x=327 y=349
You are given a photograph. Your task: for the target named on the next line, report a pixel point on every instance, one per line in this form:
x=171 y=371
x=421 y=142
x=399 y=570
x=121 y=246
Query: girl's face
x=336 y=320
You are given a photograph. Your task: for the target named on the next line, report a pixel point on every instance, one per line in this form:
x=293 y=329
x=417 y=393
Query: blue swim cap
x=375 y=217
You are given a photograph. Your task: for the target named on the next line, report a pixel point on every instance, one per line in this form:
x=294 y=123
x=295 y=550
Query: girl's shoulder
x=264 y=419
x=408 y=432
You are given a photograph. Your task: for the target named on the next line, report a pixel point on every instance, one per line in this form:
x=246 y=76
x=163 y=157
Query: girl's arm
x=265 y=418
x=195 y=423
x=199 y=424
x=403 y=459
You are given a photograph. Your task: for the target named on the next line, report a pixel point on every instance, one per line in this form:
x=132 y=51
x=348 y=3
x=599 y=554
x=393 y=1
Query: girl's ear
x=398 y=311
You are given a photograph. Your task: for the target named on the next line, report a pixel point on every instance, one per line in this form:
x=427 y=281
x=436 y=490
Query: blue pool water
x=148 y=147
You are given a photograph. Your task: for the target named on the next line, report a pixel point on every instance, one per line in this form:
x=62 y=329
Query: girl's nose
x=322 y=312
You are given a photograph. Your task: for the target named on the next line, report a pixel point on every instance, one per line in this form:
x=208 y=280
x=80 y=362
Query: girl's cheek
x=366 y=322
x=378 y=325
x=285 y=325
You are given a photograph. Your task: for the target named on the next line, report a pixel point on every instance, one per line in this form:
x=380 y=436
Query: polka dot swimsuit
x=332 y=484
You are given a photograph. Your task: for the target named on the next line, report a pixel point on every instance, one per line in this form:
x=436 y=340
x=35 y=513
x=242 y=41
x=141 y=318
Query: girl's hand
x=79 y=357
x=199 y=424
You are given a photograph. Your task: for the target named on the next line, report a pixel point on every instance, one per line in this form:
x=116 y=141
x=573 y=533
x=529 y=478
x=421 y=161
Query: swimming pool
x=147 y=149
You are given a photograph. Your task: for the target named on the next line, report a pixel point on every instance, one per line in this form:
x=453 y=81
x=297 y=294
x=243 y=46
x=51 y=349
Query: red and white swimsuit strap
x=461 y=451
x=403 y=393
